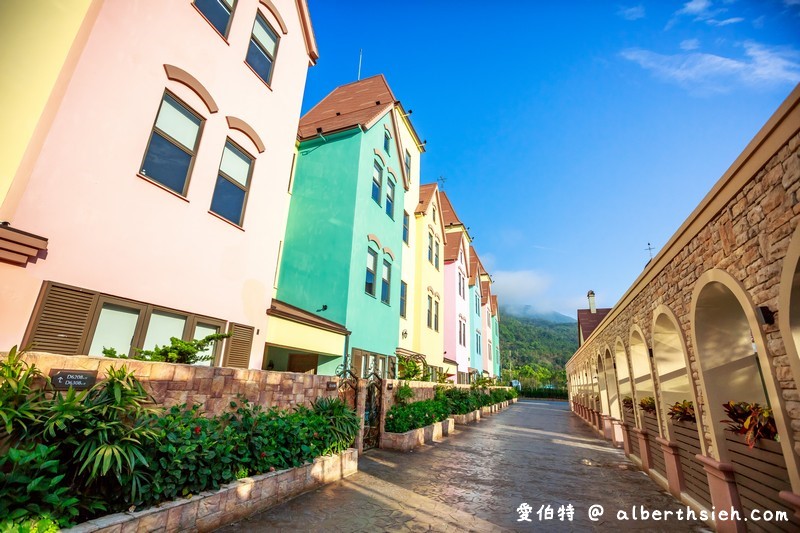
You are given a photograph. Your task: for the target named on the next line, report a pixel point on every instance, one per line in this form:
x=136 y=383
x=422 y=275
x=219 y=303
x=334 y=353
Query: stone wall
x=213 y=387
x=748 y=238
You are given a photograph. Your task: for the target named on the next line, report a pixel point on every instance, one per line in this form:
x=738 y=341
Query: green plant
x=404 y=393
x=682 y=411
x=402 y=418
x=648 y=405
x=343 y=423
x=627 y=403
x=33 y=489
x=461 y=401
x=22 y=404
x=751 y=420
x=409 y=369
x=442 y=377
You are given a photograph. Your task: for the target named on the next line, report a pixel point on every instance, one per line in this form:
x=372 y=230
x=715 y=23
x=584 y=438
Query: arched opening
x=789 y=302
x=669 y=356
x=624 y=381
x=602 y=385
x=642 y=376
x=611 y=383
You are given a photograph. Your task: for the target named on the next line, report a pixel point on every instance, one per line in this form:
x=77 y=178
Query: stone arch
x=671 y=362
x=726 y=332
x=602 y=386
x=179 y=75
x=611 y=384
x=623 y=377
x=789 y=303
x=642 y=373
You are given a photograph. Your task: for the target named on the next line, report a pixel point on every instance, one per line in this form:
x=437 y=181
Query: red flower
x=197 y=430
x=272 y=469
x=263 y=454
x=316 y=435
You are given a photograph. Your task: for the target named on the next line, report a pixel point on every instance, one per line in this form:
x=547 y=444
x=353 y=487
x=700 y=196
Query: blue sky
x=570 y=134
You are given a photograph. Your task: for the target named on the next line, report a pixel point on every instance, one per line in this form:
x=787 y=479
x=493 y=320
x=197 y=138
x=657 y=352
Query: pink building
x=457 y=336
x=153 y=200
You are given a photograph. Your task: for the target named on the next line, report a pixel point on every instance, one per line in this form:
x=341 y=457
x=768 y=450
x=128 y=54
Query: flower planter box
x=403 y=441
x=447 y=426
x=211 y=510
x=433 y=433
x=472 y=416
x=486 y=411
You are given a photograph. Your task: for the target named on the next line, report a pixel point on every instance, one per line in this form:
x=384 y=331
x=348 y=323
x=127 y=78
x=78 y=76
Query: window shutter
x=62 y=322
x=239 y=345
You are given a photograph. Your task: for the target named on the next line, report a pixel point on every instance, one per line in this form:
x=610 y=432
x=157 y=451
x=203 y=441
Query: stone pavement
x=533 y=452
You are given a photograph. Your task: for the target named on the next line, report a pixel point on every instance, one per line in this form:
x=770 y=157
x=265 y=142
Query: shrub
x=22 y=404
x=751 y=420
x=404 y=393
x=402 y=418
x=178 y=351
x=498 y=395
x=343 y=423
x=682 y=411
x=648 y=405
x=627 y=403
x=461 y=401
x=555 y=394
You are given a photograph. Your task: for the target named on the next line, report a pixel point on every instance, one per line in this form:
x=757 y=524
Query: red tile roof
x=452 y=247
x=448 y=213
x=494 y=305
x=588 y=321
x=475 y=266
x=426 y=193
x=355 y=104
x=485 y=288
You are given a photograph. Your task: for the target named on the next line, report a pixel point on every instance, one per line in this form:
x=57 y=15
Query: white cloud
x=702 y=11
x=520 y=287
x=632 y=13
x=690 y=44
x=732 y=20
x=702 y=73
x=694 y=7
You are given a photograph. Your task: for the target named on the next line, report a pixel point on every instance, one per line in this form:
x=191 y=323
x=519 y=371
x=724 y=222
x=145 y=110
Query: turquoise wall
x=476 y=360
x=315 y=261
x=376 y=325
x=496 y=345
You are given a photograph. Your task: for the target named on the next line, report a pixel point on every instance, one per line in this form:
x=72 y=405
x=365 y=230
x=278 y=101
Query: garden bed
x=210 y=510
x=469 y=418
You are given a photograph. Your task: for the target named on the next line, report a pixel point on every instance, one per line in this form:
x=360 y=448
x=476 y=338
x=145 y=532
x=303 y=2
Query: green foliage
x=178 y=351
x=550 y=394
x=343 y=423
x=441 y=377
x=511 y=393
x=405 y=417
x=409 y=369
x=751 y=420
x=682 y=411
x=648 y=405
x=33 y=492
x=404 y=393
x=461 y=401
x=22 y=403
x=481 y=382
x=536 y=343
x=498 y=395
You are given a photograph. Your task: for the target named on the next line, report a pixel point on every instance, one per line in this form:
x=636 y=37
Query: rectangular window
x=430 y=247
x=403 y=296
x=172 y=146
x=436 y=256
x=434 y=214
x=390 y=198
x=408 y=164
x=377 y=183
x=478 y=343
x=386 y=281
x=430 y=311
x=387 y=142
x=233 y=182
x=115 y=329
x=436 y=316
x=262 y=50
x=217 y=12
x=372 y=266
x=202 y=331
x=162 y=327
x=405 y=227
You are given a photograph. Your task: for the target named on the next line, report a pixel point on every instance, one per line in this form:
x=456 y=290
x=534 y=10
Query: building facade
x=151 y=201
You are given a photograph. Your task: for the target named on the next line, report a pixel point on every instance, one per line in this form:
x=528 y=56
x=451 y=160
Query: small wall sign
x=331 y=385
x=390 y=386
x=63 y=378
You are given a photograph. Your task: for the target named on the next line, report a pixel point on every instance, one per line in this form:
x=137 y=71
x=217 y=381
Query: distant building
x=589 y=319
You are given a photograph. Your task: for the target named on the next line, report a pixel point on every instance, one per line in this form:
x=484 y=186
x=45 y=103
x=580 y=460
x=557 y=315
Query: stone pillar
x=617 y=433
x=361 y=407
x=626 y=438
x=793 y=500
x=672 y=463
x=644 y=447
x=724 y=493
x=608 y=430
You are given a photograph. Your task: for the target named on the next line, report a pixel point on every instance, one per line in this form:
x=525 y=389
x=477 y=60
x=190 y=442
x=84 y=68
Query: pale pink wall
x=455 y=305
x=486 y=336
x=114 y=232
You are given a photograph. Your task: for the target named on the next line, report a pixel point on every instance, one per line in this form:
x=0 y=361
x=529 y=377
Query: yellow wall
x=35 y=39
x=286 y=333
x=427 y=341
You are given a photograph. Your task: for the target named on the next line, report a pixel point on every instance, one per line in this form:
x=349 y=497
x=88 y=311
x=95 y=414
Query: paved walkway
x=475 y=480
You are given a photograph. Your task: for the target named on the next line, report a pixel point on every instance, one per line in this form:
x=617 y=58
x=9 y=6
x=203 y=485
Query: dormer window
x=387 y=142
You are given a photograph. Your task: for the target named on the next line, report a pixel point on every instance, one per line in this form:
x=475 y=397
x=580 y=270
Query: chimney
x=592 y=307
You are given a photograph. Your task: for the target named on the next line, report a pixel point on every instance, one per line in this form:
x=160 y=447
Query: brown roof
x=17 y=246
x=475 y=266
x=484 y=292
x=295 y=314
x=494 y=305
x=426 y=193
x=451 y=248
x=588 y=321
x=448 y=213
x=355 y=104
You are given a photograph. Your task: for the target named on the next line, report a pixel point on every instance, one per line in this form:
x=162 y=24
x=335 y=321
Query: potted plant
x=627 y=403
x=751 y=420
x=682 y=412
x=648 y=405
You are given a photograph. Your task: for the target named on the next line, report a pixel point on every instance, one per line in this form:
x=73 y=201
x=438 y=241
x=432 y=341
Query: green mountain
x=534 y=341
